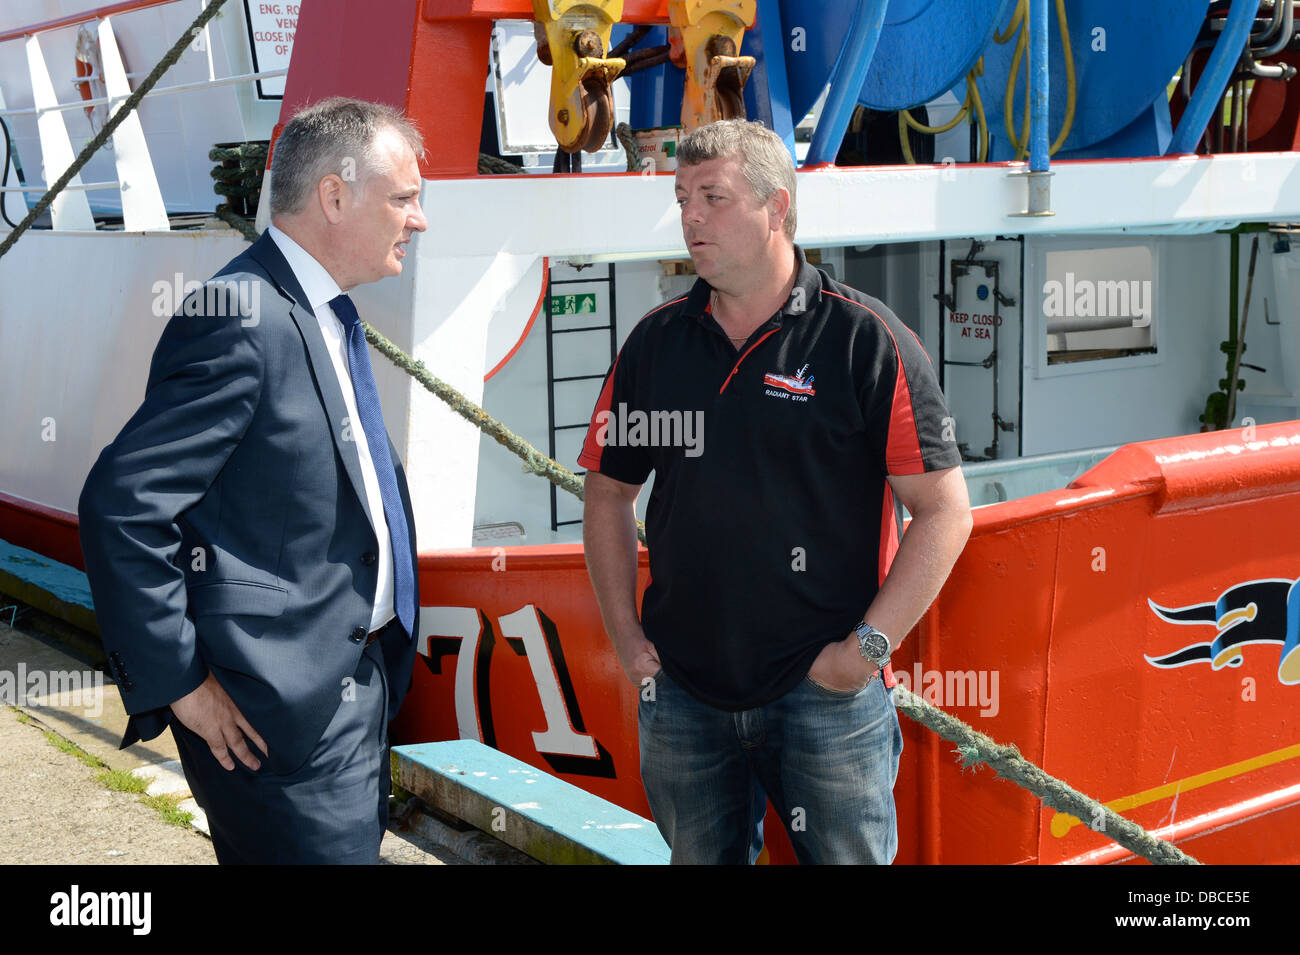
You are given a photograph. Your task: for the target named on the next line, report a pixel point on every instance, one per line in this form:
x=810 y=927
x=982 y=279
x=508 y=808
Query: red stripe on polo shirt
x=736 y=367
x=918 y=341
x=591 y=448
x=903 y=453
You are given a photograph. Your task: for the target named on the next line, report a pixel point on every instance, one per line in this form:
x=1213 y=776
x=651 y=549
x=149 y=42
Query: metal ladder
x=551 y=380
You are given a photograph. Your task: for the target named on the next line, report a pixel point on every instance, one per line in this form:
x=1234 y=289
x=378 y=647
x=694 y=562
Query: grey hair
x=765 y=161
x=332 y=136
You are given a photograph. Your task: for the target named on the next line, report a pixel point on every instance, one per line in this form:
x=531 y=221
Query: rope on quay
x=237 y=222
x=119 y=116
x=974 y=747
x=534 y=461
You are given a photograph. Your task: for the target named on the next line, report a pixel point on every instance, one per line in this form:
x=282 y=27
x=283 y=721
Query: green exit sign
x=583 y=303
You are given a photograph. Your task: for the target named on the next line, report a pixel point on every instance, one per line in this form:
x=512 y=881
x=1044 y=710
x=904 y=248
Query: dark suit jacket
x=224 y=529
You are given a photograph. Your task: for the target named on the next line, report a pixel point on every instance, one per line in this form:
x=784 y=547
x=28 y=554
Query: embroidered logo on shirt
x=796 y=387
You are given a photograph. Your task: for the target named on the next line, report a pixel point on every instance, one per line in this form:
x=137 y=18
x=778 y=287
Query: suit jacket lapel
x=327 y=387
x=268 y=255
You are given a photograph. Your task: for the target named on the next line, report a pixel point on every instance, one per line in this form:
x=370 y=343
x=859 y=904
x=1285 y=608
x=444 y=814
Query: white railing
x=156 y=91
x=137 y=181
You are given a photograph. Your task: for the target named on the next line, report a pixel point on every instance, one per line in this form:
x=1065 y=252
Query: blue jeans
x=826 y=759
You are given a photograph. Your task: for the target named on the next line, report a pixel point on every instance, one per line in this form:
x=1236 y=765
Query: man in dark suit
x=249 y=537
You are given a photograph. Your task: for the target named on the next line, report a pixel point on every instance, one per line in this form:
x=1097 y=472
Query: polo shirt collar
x=804 y=295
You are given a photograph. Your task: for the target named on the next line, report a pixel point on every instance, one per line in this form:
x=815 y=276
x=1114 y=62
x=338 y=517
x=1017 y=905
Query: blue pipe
x=770 y=104
x=847 y=77
x=1214 y=79
x=1039 y=148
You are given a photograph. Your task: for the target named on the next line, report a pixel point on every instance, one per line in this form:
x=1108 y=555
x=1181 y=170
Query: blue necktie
x=372 y=422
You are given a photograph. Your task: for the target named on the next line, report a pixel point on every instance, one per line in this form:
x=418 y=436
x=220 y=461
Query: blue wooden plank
x=59 y=580
x=562 y=809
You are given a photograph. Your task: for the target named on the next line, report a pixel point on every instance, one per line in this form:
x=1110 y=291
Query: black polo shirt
x=770 y=524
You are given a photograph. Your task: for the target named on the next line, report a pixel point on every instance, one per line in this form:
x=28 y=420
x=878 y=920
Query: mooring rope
x=240 y=174
x=496 y=166
x=627 y=139
x=972 y=746
x=128 y=105
x=237 y=222
x=534 y=461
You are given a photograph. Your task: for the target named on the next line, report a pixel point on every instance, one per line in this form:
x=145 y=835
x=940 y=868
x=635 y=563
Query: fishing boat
x=1083 y=209
x=792 y=384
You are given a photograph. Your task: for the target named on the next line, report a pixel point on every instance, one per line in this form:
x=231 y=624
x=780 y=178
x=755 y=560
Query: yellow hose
x=902 y=139
x=906 y=116
x=1021 y=8
x=972 y=107
x=1009 y=99
x=972 y=110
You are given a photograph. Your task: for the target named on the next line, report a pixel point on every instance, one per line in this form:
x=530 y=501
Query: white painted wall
x=1089 y=404
x=517 y=395
x=78 y=329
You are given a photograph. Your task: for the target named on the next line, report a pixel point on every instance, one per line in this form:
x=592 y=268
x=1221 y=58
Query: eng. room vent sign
x=271 y=28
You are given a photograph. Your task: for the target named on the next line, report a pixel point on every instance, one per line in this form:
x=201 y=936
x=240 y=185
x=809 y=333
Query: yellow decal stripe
x=1062 y=822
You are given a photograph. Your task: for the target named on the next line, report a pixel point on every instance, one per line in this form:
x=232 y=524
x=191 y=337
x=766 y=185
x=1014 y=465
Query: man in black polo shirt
x=782 y=414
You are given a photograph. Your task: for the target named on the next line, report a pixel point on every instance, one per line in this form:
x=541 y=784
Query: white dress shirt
x=321 y=289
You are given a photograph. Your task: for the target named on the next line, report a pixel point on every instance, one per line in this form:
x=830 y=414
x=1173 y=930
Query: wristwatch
x=872 y=644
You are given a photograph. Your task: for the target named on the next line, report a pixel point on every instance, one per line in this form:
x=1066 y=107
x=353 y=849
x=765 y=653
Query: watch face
x=873 y=644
